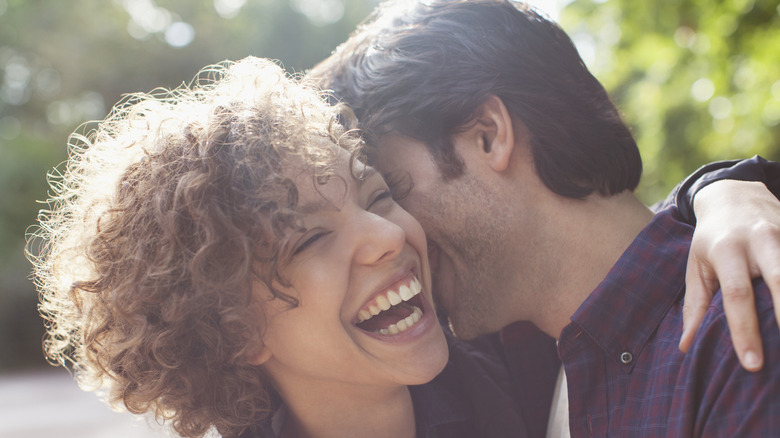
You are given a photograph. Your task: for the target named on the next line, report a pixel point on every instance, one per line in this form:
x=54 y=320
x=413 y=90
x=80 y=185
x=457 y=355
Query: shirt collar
x=622 y=313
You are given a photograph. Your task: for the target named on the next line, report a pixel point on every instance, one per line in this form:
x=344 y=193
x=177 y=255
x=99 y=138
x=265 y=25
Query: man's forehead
x=394 y=152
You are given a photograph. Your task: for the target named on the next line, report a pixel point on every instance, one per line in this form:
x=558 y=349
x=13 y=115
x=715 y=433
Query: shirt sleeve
x=752 y=169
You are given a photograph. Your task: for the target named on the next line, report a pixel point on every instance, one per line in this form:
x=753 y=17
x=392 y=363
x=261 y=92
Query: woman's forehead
x=325 y=191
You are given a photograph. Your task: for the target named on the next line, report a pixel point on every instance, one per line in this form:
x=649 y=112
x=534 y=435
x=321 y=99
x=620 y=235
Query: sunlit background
x=698 y=80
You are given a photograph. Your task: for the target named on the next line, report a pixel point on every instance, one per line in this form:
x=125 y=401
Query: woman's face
x=360 y=273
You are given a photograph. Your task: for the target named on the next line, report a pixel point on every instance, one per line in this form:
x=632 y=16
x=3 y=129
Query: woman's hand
x=737 y=238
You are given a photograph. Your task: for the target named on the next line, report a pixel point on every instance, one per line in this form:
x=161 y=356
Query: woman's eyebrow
x=315 y=206
x=324 y=204
x=368 y=172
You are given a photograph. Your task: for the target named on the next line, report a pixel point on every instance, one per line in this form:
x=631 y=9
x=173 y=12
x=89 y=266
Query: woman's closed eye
x=385 y=194
x=309 y=239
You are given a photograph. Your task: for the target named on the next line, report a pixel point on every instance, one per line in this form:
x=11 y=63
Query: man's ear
x=258 y=354
x=496 y=132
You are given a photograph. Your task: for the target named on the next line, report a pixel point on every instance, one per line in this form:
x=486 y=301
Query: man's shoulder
x=704 y=392
x=725 y=397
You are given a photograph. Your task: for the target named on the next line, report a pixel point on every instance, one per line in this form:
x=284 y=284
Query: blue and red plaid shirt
x=626 y=375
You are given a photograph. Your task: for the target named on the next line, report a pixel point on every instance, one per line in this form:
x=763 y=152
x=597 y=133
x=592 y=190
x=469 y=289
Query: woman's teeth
x=389 y=299
x=404 y=324
x=396 y=313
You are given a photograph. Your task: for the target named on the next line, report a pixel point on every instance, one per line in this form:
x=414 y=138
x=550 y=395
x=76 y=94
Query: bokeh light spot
x=720 y=107
x=770 y=115
x=179 y=34
x=703 y=89
x=320 y=12
x=228 y=8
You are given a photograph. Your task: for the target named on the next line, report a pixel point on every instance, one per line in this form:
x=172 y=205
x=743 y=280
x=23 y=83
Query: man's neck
x=593 y=234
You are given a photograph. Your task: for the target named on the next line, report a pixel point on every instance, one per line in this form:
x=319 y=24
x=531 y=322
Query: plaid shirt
x=626 y=375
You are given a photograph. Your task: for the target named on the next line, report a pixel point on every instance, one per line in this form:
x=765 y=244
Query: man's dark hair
x=422 y=69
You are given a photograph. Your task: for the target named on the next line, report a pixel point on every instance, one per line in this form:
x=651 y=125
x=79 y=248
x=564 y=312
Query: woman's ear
x=258 y=354
x=496 y=131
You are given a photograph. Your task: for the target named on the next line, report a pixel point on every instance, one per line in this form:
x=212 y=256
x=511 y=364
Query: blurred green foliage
x=697 y=80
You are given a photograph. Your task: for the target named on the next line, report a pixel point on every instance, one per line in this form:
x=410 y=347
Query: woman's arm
x=737 y=238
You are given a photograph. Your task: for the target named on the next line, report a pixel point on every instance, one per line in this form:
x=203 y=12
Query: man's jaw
x=441 y=284
x=434 y=253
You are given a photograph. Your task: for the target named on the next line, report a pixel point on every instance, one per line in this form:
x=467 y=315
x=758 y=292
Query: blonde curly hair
x=159 y=224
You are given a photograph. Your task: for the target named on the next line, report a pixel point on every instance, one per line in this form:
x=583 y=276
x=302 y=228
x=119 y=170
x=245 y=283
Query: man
x=521 y=171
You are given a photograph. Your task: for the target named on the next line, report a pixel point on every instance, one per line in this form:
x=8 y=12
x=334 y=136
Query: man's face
x=465 y=228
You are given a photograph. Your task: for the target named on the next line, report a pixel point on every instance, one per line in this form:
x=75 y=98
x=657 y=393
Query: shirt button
x=626 y=357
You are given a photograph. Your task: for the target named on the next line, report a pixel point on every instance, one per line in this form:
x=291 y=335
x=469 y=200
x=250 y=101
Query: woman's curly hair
x=159 y=224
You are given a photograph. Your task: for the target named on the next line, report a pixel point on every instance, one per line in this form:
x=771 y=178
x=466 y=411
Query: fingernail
x=751 y=360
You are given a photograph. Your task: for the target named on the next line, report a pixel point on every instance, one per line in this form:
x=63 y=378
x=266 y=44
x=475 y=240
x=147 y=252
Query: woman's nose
x=379 y=240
